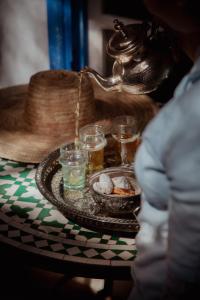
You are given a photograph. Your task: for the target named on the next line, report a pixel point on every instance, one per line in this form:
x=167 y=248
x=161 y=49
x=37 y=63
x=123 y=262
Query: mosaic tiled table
x=28 y=222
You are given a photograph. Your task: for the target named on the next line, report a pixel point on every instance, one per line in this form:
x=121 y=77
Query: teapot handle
x=151 y=29
x=154 y=30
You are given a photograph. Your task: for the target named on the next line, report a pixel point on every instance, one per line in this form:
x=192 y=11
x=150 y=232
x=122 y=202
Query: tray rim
x=110 y=225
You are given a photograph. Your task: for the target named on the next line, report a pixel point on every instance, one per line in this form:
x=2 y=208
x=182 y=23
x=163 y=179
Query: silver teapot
x=141 y=61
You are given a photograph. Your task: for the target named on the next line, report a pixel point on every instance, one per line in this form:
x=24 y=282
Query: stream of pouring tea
x=77 y=112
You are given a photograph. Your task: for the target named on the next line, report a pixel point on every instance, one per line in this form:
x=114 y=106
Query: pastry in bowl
x=115 y=190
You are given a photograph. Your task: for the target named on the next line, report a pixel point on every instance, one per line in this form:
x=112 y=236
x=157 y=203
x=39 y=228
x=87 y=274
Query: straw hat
x=36 y=119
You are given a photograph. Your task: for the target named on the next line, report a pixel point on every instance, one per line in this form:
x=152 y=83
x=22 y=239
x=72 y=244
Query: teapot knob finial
x=119 y=26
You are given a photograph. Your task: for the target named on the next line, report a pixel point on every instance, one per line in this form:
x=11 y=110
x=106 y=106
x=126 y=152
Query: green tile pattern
x=27 y=218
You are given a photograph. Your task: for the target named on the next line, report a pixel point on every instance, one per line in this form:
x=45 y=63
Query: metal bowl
x=117 y=204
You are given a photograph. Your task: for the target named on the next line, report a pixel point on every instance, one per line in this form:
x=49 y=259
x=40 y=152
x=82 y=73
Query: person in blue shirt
x=167 y=166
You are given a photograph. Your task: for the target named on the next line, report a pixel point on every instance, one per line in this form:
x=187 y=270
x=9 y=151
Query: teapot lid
x=126 y=39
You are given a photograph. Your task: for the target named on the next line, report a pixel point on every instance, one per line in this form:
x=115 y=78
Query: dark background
x=134 y=9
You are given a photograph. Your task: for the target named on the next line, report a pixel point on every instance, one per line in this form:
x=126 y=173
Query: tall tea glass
x=74 y=168
x=93 y=140
x=127 y=138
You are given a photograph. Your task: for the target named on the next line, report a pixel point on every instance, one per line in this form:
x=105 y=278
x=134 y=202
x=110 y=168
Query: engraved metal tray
x=80 y=206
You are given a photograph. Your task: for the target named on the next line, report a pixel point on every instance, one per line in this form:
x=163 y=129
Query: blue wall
x=67 y=34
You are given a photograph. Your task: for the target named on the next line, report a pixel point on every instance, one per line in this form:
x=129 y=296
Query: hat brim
x=19 y=144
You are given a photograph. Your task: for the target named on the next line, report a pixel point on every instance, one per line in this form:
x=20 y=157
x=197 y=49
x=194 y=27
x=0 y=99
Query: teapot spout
x=112 y=83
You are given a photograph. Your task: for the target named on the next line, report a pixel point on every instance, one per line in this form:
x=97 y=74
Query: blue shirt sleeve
x=168 y=171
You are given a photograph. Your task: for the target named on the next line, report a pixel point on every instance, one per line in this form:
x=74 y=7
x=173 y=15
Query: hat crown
x=52 y=99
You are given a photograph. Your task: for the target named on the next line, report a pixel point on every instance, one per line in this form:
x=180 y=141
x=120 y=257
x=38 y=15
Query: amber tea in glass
x=127 y=139
x=93 y=140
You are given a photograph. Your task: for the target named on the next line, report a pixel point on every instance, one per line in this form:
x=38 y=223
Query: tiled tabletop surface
x=30 y=222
